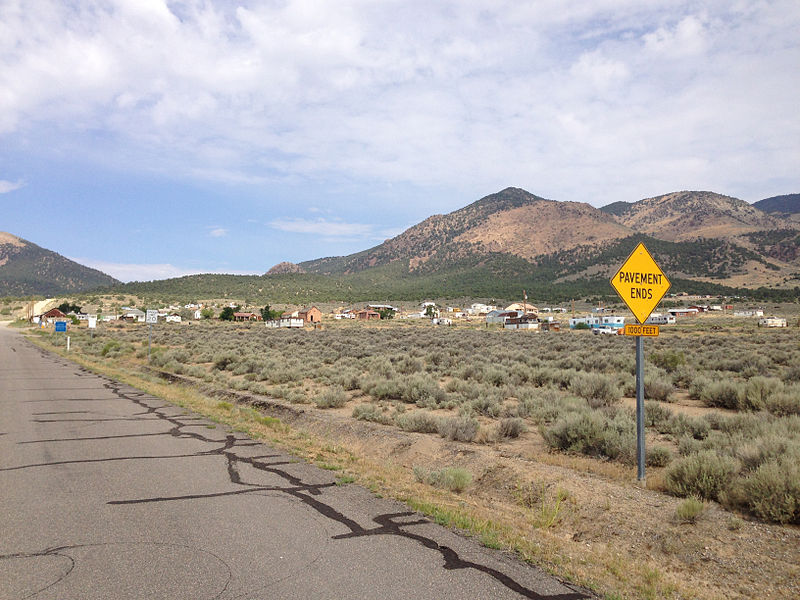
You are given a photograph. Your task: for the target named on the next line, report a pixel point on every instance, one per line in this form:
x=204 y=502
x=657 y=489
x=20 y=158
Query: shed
x=368 y=315
x=310 y=315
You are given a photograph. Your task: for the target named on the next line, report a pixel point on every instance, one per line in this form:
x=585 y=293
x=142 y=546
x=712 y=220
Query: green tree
x=386 y=313
x=67 y=307
x=227 y=313
x=207 y=313
x=268 y=314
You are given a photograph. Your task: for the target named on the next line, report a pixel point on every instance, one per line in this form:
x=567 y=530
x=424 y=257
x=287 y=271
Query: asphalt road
x=107 y=492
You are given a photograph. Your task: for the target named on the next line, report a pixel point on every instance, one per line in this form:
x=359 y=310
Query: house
x=310 y=315
x=550 y=326
x=701 y=308
x=683 y=312
x=595 y=321
x=500 y=316
x=749 y=313
x=659 y=319
x=380 y=307
x=480 y=309
x=246 y=316
x=132 y=315
x=286 y=322
x=198 y=314
x=53 y=313
x=772 y=322
x=441 y=321
x=368 y=315
x=528 y=321
x=522 y=307
x=173 y=318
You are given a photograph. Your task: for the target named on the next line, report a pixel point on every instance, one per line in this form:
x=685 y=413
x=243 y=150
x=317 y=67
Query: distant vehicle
x=606 y=330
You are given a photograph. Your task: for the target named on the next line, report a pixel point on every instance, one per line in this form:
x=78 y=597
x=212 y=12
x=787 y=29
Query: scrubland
x=534 y=434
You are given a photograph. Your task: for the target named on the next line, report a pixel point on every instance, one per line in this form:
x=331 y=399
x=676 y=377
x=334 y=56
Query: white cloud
x=10 y=186
x=585 y=100
x=147 y=271
x=328 y=229
x=218 y=232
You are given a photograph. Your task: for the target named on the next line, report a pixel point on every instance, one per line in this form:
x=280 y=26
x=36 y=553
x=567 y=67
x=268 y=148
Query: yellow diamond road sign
x=640 y=283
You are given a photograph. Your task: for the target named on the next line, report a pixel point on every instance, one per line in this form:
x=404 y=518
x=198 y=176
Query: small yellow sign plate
x=640 y=283
x=645 y=330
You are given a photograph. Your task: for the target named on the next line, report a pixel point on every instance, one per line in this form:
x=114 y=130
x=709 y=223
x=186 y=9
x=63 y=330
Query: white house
x=173 y=318
x=286 y=322
x=594 y=321
x=772 y=322
x=659 y=319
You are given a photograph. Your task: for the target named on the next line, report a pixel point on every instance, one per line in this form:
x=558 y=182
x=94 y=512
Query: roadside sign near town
x=640 y=283
x=92 y=321
x=645 y=330
x=61 y=325
x=150 y=317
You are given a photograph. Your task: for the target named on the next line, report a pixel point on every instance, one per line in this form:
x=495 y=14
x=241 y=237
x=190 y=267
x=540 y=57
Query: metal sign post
x=641 y=284
x=151 y=316
x=640 y=457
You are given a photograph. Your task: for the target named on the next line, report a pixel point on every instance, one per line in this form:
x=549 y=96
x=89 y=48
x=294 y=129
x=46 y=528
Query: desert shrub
x=598 y=390
x=348 y=381
x=657 y=415
x=594 y=434
x=109 y=348
x=658 y=456
x=382 y=389
x=225 y=360
x=683 y=376
x=577 y=432
x=792 y=374
x=689 y=445
x=460 y=429
x=681 y=424
x=409 y=364
x=511 y=427
x=758 y=390
x=419 y=420
x=698 y=386
x=487 y=405
x=690 y=510
x=370 y=412
x=704 y=474
x=771 y=492
x=422 y=390
x=333 y=397
x=723 y=394
x=784 y=403
x=657 y=388
x=454 y=479
x=669 y=360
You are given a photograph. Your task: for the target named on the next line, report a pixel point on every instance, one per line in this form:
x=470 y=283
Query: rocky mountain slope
x=27 y=269
x=700 y=235
x=512 y=222
x=682 y=216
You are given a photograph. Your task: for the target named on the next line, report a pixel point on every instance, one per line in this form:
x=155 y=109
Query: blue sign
x=61 y=325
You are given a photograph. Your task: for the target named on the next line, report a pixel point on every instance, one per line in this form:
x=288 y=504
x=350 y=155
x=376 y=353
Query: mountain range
x=702 y=236
x=496 y=246
x=27 y=269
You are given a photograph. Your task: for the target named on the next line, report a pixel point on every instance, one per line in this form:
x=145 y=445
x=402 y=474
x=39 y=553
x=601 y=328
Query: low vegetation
x=471 y=384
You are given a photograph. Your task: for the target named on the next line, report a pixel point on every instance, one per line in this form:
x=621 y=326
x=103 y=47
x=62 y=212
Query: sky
x=152 y=139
